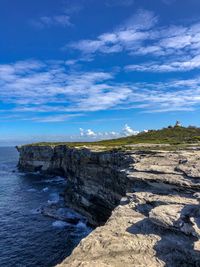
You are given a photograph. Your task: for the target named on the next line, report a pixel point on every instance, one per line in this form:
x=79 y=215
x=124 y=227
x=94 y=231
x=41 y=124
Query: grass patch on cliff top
x=166 y=138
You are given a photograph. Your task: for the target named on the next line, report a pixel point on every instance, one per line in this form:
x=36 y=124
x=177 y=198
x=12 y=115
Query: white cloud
x=62 y=20
x=127 y=130
x=141 y=20
x=54 y=118
x=170 y=66
x=34 y=87
x=48 y=91
x=87 y=133
x=71 y=62
x=84 y=135
x=81 y=132
x=133 y=30
x=92 y=135
x=173 y=47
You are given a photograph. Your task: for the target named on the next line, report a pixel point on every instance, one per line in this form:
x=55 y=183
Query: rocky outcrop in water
x=157 y=221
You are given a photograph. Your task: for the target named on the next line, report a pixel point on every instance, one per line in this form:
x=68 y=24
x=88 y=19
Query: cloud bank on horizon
x=84 y=135
x=142 y=64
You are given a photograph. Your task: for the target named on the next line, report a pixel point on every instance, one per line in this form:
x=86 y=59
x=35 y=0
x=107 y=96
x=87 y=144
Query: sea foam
x=60 y=224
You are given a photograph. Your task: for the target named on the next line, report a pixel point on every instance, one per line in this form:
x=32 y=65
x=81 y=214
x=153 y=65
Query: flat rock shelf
x=145 y=204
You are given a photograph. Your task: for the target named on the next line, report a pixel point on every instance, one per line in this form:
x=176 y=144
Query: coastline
x=138 y=198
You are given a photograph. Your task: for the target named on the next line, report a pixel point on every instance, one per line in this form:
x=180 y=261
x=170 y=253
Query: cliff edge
x=96 y=181
x=148 y=199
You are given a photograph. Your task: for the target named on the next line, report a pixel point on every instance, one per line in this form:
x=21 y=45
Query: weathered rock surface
x=96 y=180
x=130 y=238
x=157 y=222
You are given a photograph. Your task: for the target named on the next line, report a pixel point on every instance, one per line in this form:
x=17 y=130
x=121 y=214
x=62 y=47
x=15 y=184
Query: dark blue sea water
x=28 y=238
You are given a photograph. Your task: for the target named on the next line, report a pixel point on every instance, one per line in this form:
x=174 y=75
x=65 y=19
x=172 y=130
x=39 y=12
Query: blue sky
x=88 y=69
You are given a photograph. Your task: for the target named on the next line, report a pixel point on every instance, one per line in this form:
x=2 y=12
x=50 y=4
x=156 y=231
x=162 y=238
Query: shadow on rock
x=174 y=248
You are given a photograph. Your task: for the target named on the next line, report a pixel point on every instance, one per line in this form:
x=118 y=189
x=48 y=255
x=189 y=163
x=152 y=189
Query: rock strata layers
x=96 y=181
x=157 y=220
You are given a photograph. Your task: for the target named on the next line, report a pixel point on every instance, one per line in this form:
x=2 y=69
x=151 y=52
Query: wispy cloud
x=49 y=92
x=169 y=66
x=54 y=118
x=62 y=20
x=72 y=7
x=169 y=48
x=131 y=32
x=33 y=87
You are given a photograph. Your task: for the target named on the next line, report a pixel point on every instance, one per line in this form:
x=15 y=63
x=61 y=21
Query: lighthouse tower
x=178 y=124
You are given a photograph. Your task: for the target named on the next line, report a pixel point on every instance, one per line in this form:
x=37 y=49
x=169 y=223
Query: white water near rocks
x=28 y=238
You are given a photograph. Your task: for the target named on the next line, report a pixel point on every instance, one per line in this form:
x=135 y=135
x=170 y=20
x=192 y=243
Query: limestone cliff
x=157 y=221
x=96 y=180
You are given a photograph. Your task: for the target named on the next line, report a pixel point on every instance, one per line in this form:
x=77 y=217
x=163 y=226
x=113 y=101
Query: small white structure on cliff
x=178 y=123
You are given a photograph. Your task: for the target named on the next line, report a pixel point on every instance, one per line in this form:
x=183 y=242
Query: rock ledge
x=151 y=200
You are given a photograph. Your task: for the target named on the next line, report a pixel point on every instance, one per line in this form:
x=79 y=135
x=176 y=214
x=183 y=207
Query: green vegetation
x=172 y=137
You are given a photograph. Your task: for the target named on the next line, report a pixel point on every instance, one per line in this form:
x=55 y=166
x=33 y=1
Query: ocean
x=27 y=237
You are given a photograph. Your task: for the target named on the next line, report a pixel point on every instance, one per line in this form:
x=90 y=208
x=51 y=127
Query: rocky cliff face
x=157 y=222
x=96 y=180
